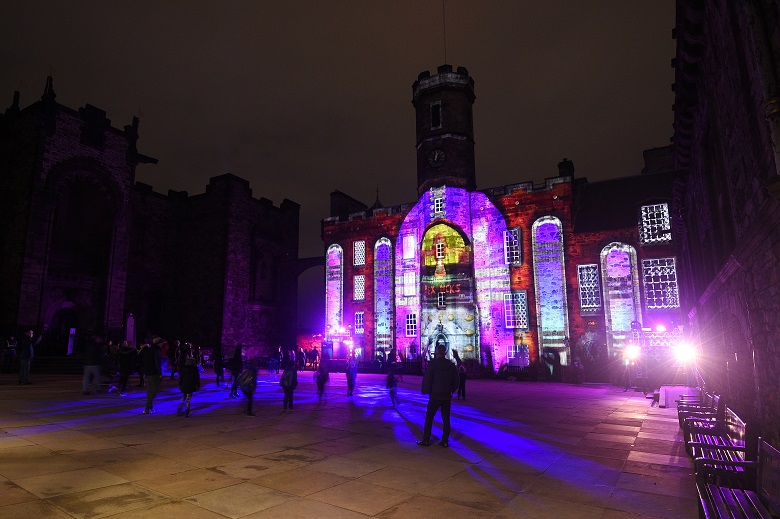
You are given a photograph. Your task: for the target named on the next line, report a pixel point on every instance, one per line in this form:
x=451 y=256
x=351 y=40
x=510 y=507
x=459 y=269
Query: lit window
x=411 y=325
x=438 y=205
x=360 y=288
x=436 y=115
x=655 y=225
x=512 y=250
x=590 y=287
x=440 y=250
x=660 y=278
x=440 y=299
x=359 y=249
x=410 y=284
x=359 y=327
x=410 y=246
x=516 y=310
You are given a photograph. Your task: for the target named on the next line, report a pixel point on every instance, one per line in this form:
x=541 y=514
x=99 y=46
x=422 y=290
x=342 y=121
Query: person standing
x=93 y=356
x=289 y=382
x=236 y=367
x=219 y=364
x=9 y=354
x=351 y=373
x=174 y=352
x=151 y=358
x=392 y=386
x=247 y=381
x=323 y=376
x=461 y=375
x=440 y=381
x=189 y=382
x=26 y=354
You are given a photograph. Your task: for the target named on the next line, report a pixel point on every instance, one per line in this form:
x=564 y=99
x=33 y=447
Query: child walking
x=189 y=382
x=289 y=382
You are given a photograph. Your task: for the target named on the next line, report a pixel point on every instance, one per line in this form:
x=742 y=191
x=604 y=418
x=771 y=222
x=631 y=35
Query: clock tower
x=445 y=131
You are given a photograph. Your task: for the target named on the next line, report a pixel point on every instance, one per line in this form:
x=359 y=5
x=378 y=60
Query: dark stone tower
x=445 y=130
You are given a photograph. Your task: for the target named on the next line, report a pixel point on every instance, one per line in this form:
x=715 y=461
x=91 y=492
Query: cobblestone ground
x=518 y=449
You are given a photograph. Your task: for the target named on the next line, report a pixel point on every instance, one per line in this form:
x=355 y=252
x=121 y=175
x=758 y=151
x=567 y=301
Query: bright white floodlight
x=684 y=353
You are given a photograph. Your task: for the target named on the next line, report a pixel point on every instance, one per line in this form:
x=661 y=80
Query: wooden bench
x=757 y=496
x=707 y=407
x=721 y=445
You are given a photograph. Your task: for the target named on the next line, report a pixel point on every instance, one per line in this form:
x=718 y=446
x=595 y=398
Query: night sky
x=304 y=97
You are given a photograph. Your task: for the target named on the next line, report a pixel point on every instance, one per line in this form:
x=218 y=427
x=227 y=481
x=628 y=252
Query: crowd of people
x=442 y=378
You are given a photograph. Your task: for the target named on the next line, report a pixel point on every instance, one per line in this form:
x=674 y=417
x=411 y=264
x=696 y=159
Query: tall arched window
x=550 y=286
x=383 y=296
x=334 y=289
x=620 y=283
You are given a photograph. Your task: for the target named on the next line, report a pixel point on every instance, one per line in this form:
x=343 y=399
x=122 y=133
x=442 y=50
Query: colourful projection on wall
x=550 y=285
x=383 y=296
x=475 y=286
x=448 y=313
x=334 y=286
x=621 y=294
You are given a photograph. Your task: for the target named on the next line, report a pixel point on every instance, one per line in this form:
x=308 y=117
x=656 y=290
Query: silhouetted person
x=151 y=357
x=323 y=375
x=288 y=381
x=351 y=373
x=127 y=360
x=236 y=367
x=247 y=381
x=392 y=386
x=461 y=375
x=440 y=381
x=26 y=352
x=9 y=354
x=93 y=356
x=189 y=382
x=219 y=364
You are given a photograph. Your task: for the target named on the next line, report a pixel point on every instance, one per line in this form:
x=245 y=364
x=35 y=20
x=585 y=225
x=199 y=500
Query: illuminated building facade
x=563 y=271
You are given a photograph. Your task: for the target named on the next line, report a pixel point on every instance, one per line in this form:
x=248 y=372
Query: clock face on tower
x=436 y=158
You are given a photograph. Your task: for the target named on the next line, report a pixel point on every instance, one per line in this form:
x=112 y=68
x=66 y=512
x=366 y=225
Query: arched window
x=334 y=289
x=620 y=282
x=383 y=295
x=550 y=286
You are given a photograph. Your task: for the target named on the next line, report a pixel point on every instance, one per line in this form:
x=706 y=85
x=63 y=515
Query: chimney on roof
x=566 y=168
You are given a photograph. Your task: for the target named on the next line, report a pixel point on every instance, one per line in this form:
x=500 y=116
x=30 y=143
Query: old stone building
x=727 y=214
x=565 y=271
x=88 y=250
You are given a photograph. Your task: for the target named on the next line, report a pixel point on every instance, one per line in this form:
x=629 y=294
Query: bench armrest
x=717 y=447
x=703 y=462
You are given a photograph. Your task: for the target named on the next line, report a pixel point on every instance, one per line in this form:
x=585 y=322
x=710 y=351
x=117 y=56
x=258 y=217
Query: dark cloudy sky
x=304 y=97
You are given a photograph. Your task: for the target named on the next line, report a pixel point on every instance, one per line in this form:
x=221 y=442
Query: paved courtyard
x=518 y=449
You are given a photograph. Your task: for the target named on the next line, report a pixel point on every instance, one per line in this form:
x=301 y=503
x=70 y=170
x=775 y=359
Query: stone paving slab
x=517 y=449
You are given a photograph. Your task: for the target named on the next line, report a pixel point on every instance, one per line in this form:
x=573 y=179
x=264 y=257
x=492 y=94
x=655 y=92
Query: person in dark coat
x=93 y=357
x=461 y=375
x=323 y=375
x=247 y=381
x=219 y=364
x=189 y=382
x=288 y=381
x=392 y=386
x=26 y=352
x=151 y=358
x=127 y=359
x=440 y=381
x=174 y=350
x=351 y=374
x=236 y=367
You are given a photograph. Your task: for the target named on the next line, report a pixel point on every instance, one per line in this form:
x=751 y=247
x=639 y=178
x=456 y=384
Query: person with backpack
x=289 y=382
x=247 y=381
x=189 y=382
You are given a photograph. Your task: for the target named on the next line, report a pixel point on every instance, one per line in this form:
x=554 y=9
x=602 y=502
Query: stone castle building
x=727 y=199
x=566 y=271
x=86 y=249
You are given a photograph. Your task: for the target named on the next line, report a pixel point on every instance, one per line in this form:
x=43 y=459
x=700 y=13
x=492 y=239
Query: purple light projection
x=621 y=294
x=550 y=284
x=334 y=302
x=383 y=296
x=476 y=327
